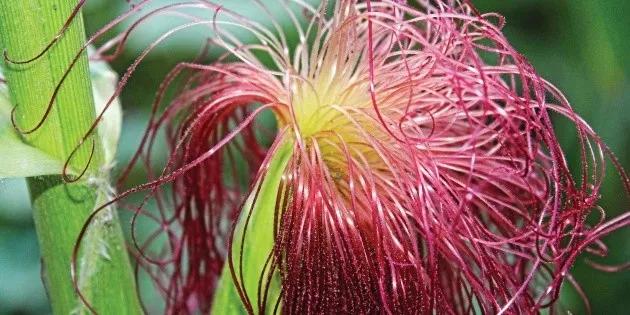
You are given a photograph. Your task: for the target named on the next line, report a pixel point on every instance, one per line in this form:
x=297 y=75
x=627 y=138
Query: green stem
x=60 y=210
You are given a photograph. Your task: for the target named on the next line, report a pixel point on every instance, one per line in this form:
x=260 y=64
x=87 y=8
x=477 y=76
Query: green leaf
x=257 y=246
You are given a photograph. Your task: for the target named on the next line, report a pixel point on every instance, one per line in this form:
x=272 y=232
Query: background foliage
x=580 y=46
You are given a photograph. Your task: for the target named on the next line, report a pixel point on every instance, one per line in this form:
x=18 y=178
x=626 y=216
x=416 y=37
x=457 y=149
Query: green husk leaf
x=257 y=246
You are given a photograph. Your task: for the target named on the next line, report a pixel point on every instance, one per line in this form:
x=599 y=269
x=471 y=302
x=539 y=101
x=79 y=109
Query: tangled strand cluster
x=425 y=174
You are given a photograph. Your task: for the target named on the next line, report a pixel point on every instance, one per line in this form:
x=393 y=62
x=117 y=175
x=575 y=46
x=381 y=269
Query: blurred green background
x=579 y=45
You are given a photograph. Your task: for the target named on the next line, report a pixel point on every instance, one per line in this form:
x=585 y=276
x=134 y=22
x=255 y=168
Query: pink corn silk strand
x=432 y=182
